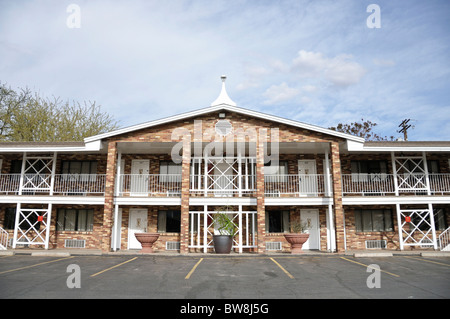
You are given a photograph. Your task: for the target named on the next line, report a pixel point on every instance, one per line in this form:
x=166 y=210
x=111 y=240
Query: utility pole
x=404 y=128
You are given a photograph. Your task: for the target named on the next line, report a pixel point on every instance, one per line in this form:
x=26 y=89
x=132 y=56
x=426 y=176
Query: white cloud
x=340 y=70
x=280 y=93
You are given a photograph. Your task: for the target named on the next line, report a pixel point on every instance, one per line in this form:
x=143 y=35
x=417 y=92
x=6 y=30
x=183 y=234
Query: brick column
x=261 y=209
x=108 y=209
x=337 y=196
x=185 y=173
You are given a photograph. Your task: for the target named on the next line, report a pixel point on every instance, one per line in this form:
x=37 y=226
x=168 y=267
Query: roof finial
x=223 y=96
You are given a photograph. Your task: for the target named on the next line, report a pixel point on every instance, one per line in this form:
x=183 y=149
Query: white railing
x=222 y=185
x=150 y=185
x=66 y=184
x=294 y=185
x=202 y=228
x=444 y=240
x=368 y=184
x=439 y=183
x=384 y=184
x=79 y=184
x=3 y=239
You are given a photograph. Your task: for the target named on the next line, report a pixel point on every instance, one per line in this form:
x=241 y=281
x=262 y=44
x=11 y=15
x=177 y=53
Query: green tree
x=26 y=116
x=361 y=129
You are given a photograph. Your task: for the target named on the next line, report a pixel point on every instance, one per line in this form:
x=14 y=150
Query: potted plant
x=297 y=237
x=224 y=229
x=147 y=240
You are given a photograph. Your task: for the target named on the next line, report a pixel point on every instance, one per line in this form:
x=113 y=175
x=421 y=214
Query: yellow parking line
x=193 y=269
x=26 y=267
x=429 y=261
x=101 y=272
x=281 y=267
x=387 y=272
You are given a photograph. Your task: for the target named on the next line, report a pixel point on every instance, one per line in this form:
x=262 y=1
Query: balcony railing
x=158 y=185
x=223 y=185
x=384 y=184
x=63 y=184
x=294 y=185
x=169 y=185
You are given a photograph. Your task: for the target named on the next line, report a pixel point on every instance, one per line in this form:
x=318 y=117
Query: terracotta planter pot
x=296 y=241
x=147 y=240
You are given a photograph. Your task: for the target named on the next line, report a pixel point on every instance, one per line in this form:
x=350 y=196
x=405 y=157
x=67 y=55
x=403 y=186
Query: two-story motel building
x=171 y=175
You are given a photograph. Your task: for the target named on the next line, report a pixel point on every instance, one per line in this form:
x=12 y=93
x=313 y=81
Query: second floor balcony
x=232 y=185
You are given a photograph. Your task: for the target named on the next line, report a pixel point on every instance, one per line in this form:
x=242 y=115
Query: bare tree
x=26 y=116
x=361 y=129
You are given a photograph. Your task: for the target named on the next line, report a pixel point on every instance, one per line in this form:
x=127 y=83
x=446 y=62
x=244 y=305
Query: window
x=75 y=219
x=169 y=221
x=10 y=220
x=277 y=221
x=364 y=171
x=373 y=220
x=79 y=170
x=278 y=173
x=440 y=220
x=169 y=168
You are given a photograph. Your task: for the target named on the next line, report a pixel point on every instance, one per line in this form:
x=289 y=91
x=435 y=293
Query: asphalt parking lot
x=211 y=277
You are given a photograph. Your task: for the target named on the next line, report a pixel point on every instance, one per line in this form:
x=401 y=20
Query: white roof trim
x=229 y=108
x=89 y=146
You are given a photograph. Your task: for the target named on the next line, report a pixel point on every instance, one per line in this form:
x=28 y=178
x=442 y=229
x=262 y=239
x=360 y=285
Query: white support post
x=394 y=171
x=22 y=172
x=205 y=228
x=240 y=172
x=52 y=179
x=205 y=177
x=118 y=170
x=399 y=225
x=427 y=177
x=433 y=228
x=240 y=229
x=327 y=174
x=49 y=218
x=331 y=233
x=115 y=226
x=16 y=224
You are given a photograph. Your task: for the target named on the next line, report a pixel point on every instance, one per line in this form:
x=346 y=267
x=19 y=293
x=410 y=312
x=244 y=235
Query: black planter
x=222 y=244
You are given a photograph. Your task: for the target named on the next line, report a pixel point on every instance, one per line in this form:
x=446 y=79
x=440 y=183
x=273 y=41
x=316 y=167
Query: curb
x=50 y=254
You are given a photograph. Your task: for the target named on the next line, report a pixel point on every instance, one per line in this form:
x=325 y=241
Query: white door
x=117 y=230
x=139 y=177
x=223 y=177
x=311 y=218
x=136 y=224
x=307 y=178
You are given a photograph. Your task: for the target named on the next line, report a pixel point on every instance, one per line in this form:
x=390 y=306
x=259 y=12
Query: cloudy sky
x=313 y=61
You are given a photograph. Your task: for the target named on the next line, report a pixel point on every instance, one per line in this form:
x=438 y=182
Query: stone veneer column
x=109 y=196
x=337 y=196
x=261 y=209
x=185 y=173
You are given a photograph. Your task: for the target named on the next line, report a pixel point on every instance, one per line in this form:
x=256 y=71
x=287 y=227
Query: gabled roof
x=224 y=103
x=229 y=108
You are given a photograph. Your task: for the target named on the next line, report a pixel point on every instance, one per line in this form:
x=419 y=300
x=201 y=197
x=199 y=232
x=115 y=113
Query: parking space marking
x=430 y=261
x=281 y=267
x=35 y=265
x=193 y=269
x=387 y=272
x=105 y=270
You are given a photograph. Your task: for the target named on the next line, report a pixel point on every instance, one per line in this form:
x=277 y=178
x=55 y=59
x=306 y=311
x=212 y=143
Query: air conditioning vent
x=275 y=245
x=376 y=244
x=172 y=245
x=75 y=243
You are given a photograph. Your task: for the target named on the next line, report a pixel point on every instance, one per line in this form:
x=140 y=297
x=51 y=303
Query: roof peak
x=223 y=96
